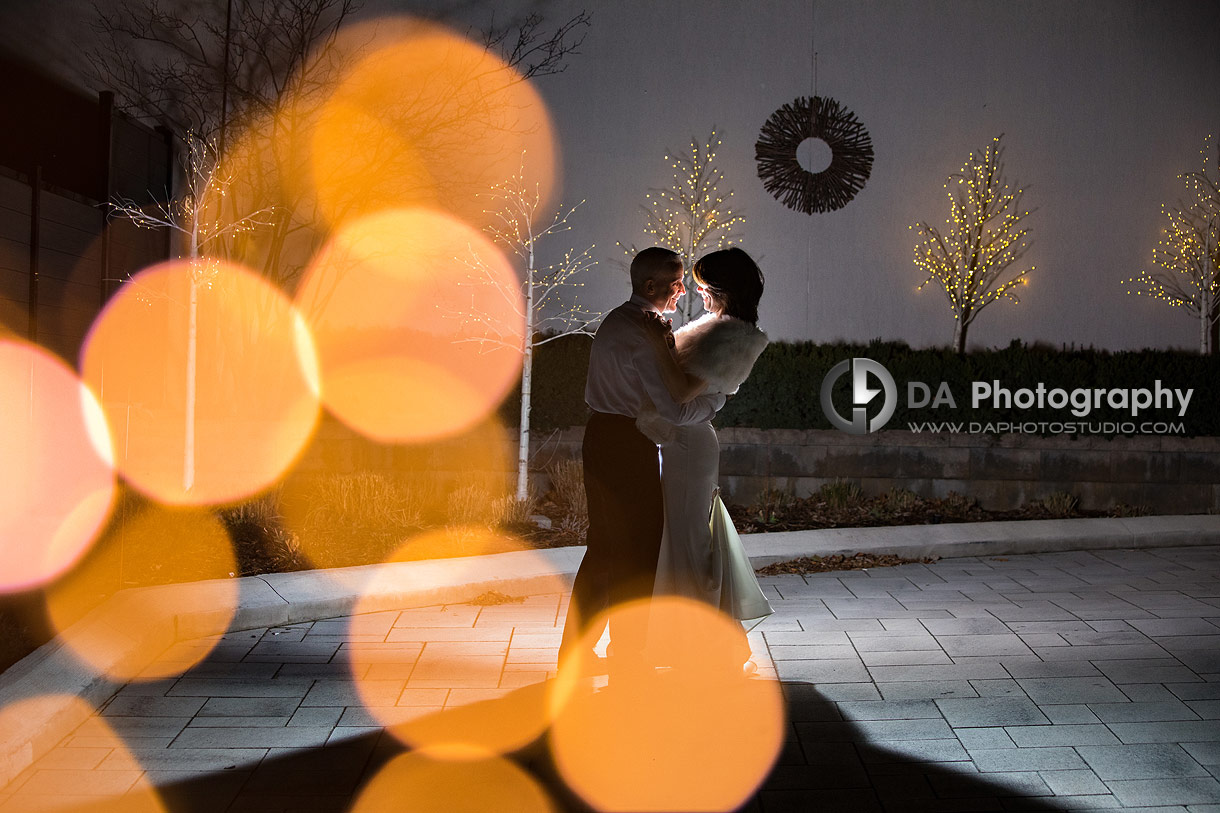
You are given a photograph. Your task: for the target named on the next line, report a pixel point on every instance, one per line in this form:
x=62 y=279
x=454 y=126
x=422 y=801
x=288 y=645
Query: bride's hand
x=682 y=386
x=659 y=328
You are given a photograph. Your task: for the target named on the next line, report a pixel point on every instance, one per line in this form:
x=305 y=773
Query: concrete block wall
x=1168 y=474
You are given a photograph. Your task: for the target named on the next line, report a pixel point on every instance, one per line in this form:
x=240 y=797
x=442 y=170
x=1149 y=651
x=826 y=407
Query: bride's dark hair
x=734 y=279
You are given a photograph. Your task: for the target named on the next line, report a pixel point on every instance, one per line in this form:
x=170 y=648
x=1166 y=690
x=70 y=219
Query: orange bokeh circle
x=694 y=736
x=158 y=575
x=342 y=519
x=493 y=721
x=423 y=116
x=426 y=782
x=56 y=469
x=255 y=385
x=412 y=346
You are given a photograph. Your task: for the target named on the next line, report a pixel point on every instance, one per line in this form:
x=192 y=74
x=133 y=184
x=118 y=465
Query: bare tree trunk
x=688 y=303
x=1208 y=302
x=1207 y=307
x=527 y=375
x=192 y=352
x=1213 y=330
x=523 y=438
x=960 y=327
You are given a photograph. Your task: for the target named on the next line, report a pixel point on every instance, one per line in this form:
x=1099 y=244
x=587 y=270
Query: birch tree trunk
x=959 y=334
x=1207 y=305
x=192 y=349
x=527 y=375
x=1208 y=312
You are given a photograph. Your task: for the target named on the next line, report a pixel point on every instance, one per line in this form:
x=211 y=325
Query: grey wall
x=1102 y=103
x=70 y=262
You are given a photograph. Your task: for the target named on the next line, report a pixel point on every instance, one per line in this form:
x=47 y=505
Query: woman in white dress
x=702 y=556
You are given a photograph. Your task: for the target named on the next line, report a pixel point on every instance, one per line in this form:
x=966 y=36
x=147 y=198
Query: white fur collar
x=719 y=349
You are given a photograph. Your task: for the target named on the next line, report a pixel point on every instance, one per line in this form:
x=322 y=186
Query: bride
x=702 y=556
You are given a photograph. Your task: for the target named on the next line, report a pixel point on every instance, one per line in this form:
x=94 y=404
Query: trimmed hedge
x=557 y=392
x=783 y=390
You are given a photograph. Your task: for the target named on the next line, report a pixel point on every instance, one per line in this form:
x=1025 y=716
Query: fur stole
x=719 y=349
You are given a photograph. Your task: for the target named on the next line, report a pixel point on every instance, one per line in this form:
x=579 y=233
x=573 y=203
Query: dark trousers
x=626 y=519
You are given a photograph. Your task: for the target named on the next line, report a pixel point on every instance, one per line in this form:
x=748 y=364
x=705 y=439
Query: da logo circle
x=861 y=396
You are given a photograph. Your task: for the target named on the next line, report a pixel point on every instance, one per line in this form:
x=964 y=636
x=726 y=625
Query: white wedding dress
x=702 y=557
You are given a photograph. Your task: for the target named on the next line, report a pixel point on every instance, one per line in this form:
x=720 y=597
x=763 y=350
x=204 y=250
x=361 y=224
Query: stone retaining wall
x=1167 y=474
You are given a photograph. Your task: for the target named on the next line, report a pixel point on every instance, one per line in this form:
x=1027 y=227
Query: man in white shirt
x=621 y=465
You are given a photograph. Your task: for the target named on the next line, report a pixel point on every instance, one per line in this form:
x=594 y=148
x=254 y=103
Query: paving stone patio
x=1066 y=681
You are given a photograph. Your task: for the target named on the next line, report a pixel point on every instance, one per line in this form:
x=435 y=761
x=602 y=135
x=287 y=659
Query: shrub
x=354 y=519
x=470 y=505
x=568 y=491
x=261 y=541
x=840 y=493
x=365 y=500
x=782 y=392
x=1060 y=504
x=771 y=504
x=511 y=513
x=900 y=501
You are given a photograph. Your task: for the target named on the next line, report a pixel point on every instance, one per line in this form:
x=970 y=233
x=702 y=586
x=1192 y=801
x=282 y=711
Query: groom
x=621 y=465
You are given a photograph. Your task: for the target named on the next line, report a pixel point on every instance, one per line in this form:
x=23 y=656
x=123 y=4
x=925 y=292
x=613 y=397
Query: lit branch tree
x=971 y=262
x=247 y=75
x=198 y=216
x=547 y=312
x=692 y=215
x=1186 y=274
x=251 y=74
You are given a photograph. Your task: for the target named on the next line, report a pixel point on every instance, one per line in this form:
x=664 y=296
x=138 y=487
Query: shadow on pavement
x=827 y=764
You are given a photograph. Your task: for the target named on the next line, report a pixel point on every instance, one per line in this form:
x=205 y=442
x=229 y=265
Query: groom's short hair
x=653 y=263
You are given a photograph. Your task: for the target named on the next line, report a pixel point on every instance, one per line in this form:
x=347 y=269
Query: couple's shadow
x=826 y=763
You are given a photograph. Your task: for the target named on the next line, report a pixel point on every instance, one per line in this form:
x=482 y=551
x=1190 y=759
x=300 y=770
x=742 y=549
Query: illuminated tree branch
x=199 y=214
x=692 y=215
x=1186 y=257
x=541 y=300
x=260 y=77
x=971 y=261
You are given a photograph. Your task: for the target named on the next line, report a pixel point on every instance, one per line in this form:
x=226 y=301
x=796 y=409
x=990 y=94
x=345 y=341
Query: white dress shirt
x=624 y=378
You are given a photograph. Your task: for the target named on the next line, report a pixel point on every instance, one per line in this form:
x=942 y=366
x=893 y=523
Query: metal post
x=105 y=191
x=35 y=239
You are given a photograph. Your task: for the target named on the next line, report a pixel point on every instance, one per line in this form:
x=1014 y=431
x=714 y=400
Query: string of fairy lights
x=692 y=215
x=197 y=214
x=970 y=261
x=1187 y=257
x=548 y=302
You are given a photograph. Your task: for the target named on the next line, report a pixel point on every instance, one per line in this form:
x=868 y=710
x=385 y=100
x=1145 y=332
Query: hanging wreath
x=796 y=187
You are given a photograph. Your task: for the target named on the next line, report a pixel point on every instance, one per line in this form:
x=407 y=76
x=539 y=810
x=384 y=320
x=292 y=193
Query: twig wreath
x=797 y=188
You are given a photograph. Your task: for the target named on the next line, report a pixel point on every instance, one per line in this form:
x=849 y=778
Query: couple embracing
x=657 y=526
